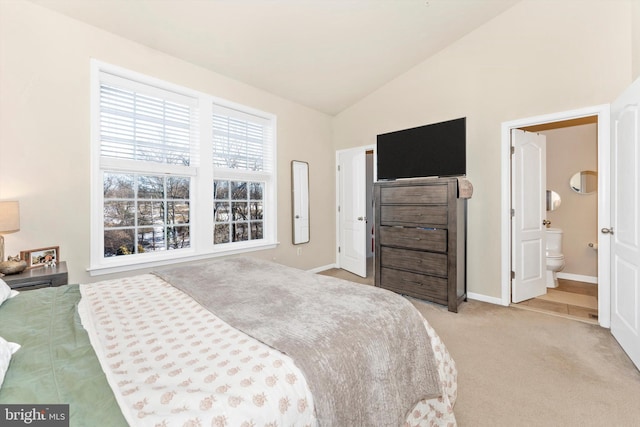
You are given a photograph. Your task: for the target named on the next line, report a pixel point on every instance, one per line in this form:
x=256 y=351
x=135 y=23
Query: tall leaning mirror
x=300 y=201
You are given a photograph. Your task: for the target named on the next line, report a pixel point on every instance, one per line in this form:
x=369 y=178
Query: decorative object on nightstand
x=9 y=223
x=47 y=257
x=13 y=265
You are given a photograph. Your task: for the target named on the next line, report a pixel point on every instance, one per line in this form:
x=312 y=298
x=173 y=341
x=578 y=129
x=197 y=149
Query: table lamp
x=9 y=223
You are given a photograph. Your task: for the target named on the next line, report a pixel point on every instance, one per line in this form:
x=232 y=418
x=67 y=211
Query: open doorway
x=571 y=216
x=560 y=125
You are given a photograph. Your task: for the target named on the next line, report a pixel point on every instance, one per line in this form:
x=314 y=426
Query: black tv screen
x=437 y=149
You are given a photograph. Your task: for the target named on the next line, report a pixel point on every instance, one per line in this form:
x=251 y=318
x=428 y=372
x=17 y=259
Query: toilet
x=555 y=258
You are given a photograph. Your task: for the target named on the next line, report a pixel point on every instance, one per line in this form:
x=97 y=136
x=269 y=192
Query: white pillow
x=6 y=292
x=6 y=351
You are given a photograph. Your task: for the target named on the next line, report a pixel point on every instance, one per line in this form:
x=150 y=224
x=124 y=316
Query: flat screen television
x=433 y=150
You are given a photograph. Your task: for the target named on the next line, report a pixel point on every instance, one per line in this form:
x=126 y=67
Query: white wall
x=538 y=57
x=44 y=134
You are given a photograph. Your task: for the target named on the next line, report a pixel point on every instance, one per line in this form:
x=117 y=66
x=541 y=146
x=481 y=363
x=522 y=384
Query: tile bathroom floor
x=571 y=299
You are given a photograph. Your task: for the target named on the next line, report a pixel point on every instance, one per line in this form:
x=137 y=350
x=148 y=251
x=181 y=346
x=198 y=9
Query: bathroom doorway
x=572 y=212
x=576 y=140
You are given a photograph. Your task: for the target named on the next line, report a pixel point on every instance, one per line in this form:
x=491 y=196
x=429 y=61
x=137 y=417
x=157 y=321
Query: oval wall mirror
x=584 y=182
x=300 y=201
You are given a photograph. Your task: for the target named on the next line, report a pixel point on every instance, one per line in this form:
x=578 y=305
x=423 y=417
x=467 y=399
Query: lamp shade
x=9 y=217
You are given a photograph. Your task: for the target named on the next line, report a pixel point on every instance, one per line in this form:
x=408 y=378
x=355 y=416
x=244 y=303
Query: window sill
x=118 y=266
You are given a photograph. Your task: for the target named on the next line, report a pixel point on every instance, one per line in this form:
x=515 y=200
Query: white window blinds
x=241 y=141
x=143 y=123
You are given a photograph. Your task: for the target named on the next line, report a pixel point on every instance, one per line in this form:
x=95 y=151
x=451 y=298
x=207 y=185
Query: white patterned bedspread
x=171 y=362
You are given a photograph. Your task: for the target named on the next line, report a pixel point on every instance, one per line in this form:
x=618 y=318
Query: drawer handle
x=410 y=238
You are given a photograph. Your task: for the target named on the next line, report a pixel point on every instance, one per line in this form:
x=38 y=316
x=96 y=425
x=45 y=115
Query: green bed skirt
x=56 y=363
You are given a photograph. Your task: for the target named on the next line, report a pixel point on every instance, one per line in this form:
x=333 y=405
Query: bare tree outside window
x=145 y=213
x=238 y=214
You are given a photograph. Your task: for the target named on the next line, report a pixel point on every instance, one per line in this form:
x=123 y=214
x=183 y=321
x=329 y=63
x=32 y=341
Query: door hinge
x=513 y=150
x=513 y=274
x=338 y=208
x=338 y=249
x=338 y=168
x=513 y=213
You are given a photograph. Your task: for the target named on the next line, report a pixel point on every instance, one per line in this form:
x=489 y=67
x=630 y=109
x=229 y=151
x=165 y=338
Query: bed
x=233 y=342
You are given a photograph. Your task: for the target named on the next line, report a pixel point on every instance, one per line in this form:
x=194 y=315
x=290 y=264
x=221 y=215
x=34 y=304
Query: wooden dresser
x=420 y=235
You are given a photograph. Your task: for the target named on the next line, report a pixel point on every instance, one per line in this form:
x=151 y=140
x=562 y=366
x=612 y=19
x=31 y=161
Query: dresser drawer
x=419 y=262
x=414 y=194
x=414 y=238
x=417 y=285
x=413 y=215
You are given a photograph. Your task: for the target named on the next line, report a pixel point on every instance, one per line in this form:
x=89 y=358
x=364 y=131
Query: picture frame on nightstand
x=41 y=256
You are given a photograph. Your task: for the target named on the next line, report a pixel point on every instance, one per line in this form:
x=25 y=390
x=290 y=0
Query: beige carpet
x=522 y=368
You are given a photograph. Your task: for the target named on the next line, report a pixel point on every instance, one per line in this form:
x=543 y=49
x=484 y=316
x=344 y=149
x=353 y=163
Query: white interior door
x=625 y=216
x=528 y=169
x=352 y=220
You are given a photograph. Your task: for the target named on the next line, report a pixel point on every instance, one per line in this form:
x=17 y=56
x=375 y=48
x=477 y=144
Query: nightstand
x=38 y=277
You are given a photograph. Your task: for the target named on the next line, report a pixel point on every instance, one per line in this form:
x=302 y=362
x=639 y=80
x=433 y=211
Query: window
x=237 y=211
x=155 y=200
x=145 y=213
x=242 y=155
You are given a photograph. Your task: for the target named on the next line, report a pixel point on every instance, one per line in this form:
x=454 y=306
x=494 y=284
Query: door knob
x=607 y=230
x=546 y=222
x=362 y=218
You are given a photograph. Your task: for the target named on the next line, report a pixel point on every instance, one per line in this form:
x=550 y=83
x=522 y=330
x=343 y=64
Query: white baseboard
x=484 y=298
x=577 y=277
x=323 y=268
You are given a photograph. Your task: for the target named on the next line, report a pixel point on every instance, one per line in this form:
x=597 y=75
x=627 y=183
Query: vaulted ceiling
x=325 y=54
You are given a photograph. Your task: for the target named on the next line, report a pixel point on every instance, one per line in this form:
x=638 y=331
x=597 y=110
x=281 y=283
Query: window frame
x=202 y=176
